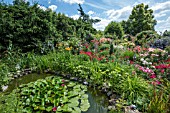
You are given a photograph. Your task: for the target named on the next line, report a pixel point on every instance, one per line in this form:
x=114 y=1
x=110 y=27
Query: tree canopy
x=114 y=28
x=141 y=19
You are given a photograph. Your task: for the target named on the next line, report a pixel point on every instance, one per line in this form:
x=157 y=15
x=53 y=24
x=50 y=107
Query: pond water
x=98 y=101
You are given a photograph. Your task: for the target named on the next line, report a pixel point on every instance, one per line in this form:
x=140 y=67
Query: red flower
x=62 y=85
x=131 y=62
x=54 y=109
x=168 y=60
x=153 y=76
x=162 y=66
x=99 y=59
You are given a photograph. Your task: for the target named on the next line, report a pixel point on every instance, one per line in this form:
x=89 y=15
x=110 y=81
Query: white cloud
x=96 y=6
x=42 y=7
x=49 y=1
x=161 y=6
x=120 y=14
x=53 y=7
x=102 y=24
x=74 y=1
x=161 y=11
x=90 y=12
x=164 y=25
x=75 y=16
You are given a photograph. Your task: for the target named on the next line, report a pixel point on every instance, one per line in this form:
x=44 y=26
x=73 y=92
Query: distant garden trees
x=166 y=33
x=114 y=29
x=141 y=19
x=28 y=27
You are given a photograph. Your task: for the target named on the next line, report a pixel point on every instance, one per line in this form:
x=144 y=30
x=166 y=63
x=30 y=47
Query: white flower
x=141 y=59
x=144 y=62
x=150 y=63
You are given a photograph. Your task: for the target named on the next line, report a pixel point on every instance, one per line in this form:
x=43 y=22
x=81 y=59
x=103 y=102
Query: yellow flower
x=67 y=48
x=60 y=44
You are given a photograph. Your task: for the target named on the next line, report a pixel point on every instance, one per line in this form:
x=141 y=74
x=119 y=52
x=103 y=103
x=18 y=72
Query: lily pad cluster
x=53 y=94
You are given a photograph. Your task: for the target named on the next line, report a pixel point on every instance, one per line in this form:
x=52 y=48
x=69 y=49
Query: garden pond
x=98 y=102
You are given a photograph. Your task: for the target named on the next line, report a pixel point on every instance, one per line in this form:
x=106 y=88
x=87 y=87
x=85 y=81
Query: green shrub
x=146 y=36
x=104 y=53
x=114 y=28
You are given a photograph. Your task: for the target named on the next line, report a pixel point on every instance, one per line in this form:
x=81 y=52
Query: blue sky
x=108 y=10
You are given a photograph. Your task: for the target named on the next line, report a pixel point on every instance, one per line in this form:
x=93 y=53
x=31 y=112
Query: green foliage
x=9 y=103
x=168 y=49
x=141 y=19
x=128 y=54
x=135 y=90
x=160 y=101
x=114 y=28
x=104 y=46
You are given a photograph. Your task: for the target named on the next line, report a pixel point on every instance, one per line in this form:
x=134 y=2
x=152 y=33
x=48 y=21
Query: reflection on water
x=24 y=80
x=98 y=101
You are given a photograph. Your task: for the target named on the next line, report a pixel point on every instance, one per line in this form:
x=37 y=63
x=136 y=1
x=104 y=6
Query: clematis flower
x=54 y=108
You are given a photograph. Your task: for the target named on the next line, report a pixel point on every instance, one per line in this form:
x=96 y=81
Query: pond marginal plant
x=53 y=94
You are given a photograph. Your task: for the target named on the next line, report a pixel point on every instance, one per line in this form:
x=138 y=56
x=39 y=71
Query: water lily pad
x=71 y=84
x=84 y=106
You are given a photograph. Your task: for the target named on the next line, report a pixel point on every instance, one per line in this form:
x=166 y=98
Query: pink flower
x=62 y=85
x=162 y=71
x=158 y=82
x=153 y=76
x=88 y=53
x=54 y=109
